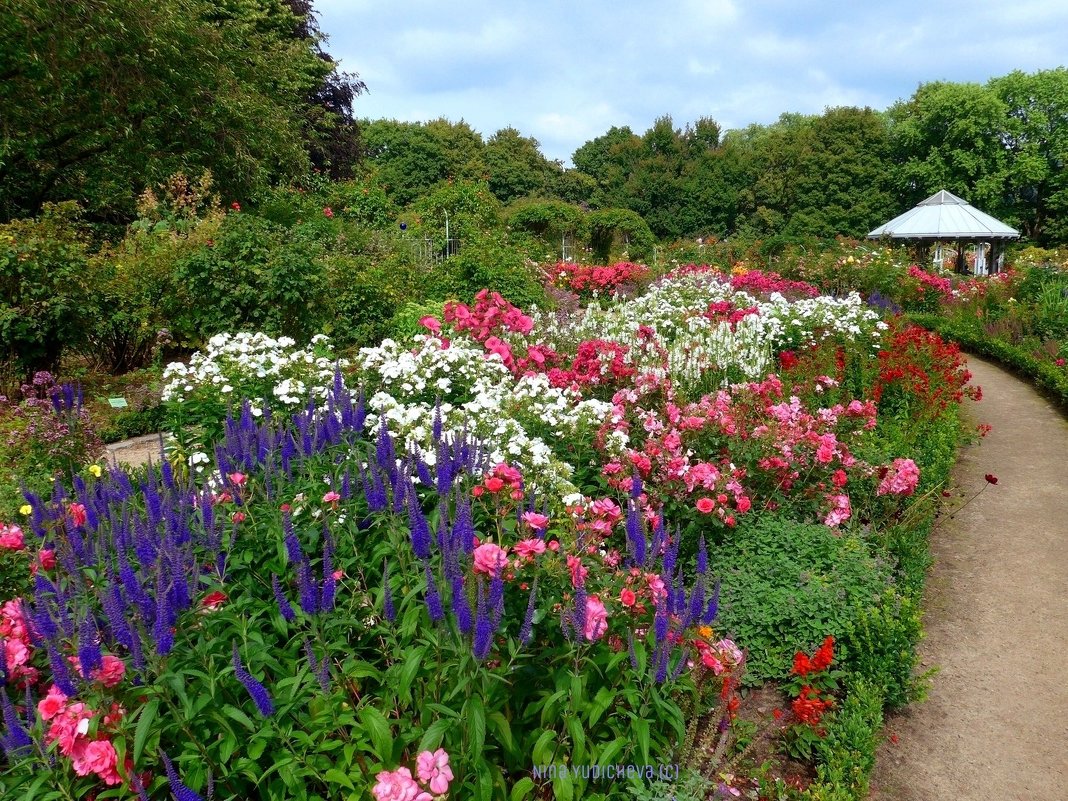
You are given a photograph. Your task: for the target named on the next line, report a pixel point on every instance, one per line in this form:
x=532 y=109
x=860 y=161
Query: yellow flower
x=95 y=470
x=705 y=631
x=26 y=509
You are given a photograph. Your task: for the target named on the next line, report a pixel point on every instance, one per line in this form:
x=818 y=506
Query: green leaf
x=521 y=789
x=499 y=723
x=412 y=662
x=475 y=715
x=611 y=751
x=378 y=730
x=144 y=726
x=601 y=701
x=641 y=737
x=338 y=777
x=432 y=737
x=563 y=787
x=541 y=752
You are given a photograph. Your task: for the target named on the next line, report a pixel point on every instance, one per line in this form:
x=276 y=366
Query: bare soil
x=996 y=722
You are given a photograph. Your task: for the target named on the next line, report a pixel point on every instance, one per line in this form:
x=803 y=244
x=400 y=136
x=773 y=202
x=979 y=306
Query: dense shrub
x=787 y=585
x=256 y=274
x=47 y=292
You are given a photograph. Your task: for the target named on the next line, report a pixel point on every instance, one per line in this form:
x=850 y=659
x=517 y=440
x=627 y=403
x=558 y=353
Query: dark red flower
x=991 y=478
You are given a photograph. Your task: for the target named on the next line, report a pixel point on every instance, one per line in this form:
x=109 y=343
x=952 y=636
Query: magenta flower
x=434 y=771
x=331 y=497
x=901 y=479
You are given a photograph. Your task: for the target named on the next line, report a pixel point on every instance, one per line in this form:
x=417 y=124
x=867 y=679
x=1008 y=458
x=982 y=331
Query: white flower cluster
x=255 y=366
x=697 y=345
x=477 y=394
x=428 y=370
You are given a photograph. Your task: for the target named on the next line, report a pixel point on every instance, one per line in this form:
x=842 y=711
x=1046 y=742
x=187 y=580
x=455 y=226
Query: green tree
x=1037 y=143
x=516 y=166
x=952 y=136
x=99 y=99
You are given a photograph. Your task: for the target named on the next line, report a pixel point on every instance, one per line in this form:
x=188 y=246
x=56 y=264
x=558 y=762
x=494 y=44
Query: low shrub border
x=1049 y=379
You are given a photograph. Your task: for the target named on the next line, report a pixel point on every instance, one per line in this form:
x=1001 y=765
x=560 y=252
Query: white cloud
x=565 y=72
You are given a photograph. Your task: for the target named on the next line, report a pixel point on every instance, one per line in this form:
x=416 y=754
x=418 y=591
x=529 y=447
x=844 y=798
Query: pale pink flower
x=396 y=785
x=840 y=510
x=433 y=770
x=901 y=478
x=331 y=497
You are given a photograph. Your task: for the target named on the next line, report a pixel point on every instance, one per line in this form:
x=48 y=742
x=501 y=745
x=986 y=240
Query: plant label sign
x=118 y=403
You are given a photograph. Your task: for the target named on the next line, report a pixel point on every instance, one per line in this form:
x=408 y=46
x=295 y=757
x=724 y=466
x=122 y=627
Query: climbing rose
x=705 y=505
x=528 y=549
x=627 y=597
x=596 y=618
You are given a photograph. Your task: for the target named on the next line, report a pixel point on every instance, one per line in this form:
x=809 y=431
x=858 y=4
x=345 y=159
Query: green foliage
x=847 y=754
x=257 y=275
x=787 y=585
x=46 y=289
x=240 y=88
x=619 y=232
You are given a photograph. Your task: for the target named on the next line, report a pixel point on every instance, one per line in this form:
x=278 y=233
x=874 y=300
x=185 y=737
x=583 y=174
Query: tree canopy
x=99 y=99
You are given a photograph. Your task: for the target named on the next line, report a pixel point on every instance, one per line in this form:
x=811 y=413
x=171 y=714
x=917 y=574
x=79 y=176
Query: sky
x=566 y=72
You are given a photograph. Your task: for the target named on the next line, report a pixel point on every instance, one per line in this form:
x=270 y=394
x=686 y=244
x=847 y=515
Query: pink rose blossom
x=331 y=497
x=536 y=521
x=52 y=704
x=112 y=671
x=528 y=549
x=490 y=558
x=11 y=538
x=433 y=770
x=596 y=618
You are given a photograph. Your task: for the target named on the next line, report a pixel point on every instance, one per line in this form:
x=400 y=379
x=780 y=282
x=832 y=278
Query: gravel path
x=996 y=722
x=135 y=452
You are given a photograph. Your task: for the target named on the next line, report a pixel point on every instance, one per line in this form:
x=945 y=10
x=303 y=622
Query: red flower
x=802 y=664
x=213 y=600
x=824 y=655
x=77 y=513
x=494 y=484
x=705 y=505
x=991 y=478
x=627 y=597
x=235 y=206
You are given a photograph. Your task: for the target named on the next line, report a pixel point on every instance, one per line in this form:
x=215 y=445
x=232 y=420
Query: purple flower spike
x=180 y=791
x=433 y=597
x=17 y=739
x=483 y=628
x=258 y=692
x=527 y=628
x=283 y=603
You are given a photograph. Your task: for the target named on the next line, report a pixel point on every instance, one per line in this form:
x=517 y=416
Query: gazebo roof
x=944 y=216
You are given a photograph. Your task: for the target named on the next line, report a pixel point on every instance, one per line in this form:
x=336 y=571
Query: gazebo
x=945 y=218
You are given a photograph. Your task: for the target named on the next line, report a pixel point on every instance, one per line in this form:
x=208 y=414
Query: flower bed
x=496 y=547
